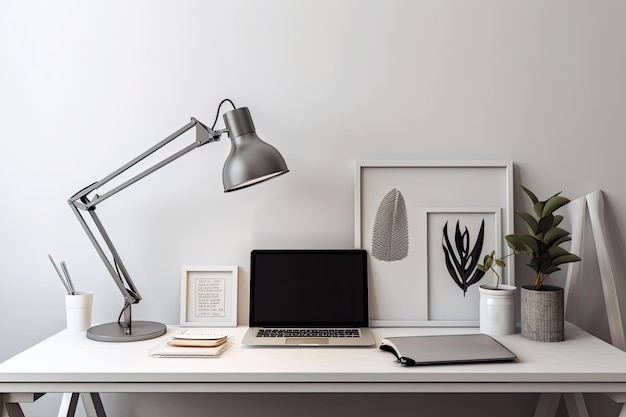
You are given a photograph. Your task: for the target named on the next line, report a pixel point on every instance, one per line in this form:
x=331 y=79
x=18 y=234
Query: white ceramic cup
x=78 y=310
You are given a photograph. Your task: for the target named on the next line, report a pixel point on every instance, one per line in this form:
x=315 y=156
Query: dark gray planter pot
x=543 y=313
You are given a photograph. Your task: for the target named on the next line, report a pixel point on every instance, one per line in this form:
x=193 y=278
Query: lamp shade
x=250 y=160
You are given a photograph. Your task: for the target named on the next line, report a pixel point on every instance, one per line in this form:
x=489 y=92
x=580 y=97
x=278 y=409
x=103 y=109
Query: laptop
x=309 y=298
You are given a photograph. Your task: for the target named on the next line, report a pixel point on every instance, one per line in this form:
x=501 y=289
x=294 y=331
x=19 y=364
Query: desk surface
x=71 y=362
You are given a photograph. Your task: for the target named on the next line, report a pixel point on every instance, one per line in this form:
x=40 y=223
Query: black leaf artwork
x=462 y=263
x=390 y=237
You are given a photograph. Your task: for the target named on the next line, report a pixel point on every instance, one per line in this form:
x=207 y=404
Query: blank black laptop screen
x=308 y=288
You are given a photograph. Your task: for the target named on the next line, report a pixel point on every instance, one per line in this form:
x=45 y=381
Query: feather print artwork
x=390 y=240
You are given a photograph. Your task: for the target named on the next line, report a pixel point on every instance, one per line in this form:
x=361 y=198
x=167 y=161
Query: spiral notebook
x=192 y=344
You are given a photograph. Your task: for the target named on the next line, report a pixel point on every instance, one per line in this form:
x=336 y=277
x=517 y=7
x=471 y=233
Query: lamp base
x=113 y=332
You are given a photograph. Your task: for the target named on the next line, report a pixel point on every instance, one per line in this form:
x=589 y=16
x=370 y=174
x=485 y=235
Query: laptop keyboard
x=281 y=332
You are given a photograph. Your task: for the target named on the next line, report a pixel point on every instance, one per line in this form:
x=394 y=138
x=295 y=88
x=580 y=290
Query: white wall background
x=86 y=86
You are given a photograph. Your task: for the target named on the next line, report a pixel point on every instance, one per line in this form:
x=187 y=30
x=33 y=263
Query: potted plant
x=497 y=302
x=542 y=306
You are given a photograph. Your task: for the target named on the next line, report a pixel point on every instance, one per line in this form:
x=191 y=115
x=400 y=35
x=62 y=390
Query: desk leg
x=68 y=405
x=10 y=403
x=547 y=405
x=576 y=406
x=91 y=401
x=93 y=404
x=575 y=403
x=619 y=398
x=12 y=410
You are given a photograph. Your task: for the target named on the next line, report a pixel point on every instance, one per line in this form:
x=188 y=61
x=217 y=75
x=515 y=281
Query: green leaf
x=522 y=242
x=551 y=269
x=526 y=252
x=538 y=207
x=553 y=203
x=481 y=268
x=570 y=257
x=556 y=251
x=553 y=235
x=542 y=249
x=520 y=251
x=562 y=240
x=534 y=265
x=543 y=265
x=530 y=194
x=557 y=220
x=545 y=223
x=529 y=219
x=500 y=263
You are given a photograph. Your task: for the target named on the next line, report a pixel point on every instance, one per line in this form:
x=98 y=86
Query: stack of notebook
x=192 y=343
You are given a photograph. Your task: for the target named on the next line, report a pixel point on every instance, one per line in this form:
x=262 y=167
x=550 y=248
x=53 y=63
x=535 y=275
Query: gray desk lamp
x=250 y=161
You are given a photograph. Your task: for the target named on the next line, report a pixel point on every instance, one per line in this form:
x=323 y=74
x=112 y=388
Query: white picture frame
x=445 y=302
x=395 y=296
x=209 y=296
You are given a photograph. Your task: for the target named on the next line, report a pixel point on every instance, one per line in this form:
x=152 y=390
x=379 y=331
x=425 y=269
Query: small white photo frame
x=209 y=296
x=446 y=304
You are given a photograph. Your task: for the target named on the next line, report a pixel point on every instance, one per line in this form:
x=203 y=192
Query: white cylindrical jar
x=497 y=309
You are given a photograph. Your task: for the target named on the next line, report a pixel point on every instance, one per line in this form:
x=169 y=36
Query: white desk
x=69 y=362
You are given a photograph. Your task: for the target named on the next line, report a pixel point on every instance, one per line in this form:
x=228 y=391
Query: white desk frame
x=69 y=362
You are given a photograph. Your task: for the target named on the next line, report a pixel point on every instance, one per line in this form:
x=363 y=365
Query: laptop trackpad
x=312 y=341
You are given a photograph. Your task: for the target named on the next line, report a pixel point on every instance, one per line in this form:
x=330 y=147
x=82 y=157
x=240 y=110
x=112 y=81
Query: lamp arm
x=82 y=201
x=204 y=135
x=130 y=294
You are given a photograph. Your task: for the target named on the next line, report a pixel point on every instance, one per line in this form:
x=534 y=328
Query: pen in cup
x=67 y=277
x=67 y=283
